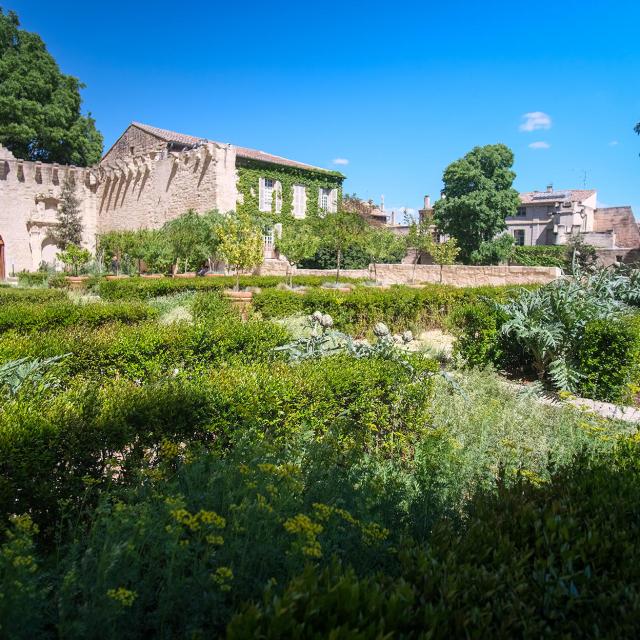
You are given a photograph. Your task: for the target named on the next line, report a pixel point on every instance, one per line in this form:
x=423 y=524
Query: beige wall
x=29 y=196
x=149 y=189
x=456 y=275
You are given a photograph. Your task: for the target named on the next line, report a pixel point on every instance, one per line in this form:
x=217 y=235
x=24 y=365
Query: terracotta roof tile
x=243 y=152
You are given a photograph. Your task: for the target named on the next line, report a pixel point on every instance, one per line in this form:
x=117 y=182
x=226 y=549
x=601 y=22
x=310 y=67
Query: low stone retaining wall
x=465 y=276
x=456 y=275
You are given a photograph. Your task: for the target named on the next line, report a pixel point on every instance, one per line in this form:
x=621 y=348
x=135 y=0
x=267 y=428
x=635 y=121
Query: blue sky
x=397 y=90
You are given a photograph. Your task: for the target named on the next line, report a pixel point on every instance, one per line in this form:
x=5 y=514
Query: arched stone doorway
x=3 y=273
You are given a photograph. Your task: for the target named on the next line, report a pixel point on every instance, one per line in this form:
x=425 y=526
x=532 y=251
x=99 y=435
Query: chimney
x=427 y=202
x=550 y=188
x=393 y=217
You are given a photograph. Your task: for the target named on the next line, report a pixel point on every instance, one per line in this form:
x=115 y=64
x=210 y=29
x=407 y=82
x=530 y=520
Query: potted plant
x=241 y=247
x=75 y=257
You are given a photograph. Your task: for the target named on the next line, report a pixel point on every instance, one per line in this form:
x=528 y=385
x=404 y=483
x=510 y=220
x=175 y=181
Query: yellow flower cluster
x=371 y=532
x=125 y=597
x=308 y=530
x=222 y=577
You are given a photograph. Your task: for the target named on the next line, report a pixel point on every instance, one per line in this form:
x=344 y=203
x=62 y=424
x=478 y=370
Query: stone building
x=551 y=217
x=150 y=176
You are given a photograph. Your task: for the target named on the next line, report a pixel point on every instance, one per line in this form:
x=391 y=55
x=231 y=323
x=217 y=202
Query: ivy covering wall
x=250 y=172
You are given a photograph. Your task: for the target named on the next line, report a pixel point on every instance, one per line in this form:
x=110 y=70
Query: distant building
x=553 y=216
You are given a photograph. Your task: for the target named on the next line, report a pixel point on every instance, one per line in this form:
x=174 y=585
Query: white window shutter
x=261 y=195
x=334 y=200
x=303 y=202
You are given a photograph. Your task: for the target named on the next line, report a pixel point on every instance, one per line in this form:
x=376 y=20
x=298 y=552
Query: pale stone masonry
x=149 y=176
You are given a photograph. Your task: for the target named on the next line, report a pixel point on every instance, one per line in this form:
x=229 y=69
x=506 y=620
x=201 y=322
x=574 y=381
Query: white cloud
x=535 y=120
x=539 y=145
x=340 y=161
x=613 y=143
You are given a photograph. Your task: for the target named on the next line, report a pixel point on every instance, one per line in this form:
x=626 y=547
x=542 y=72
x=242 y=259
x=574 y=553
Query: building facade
x=150 y=176
x=552 y=217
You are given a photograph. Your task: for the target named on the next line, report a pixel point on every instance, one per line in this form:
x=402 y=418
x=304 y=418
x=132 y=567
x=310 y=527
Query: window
x=299 y=201
x=521 y=212
x=328 y=200
x=518 y=235
x=266 y=194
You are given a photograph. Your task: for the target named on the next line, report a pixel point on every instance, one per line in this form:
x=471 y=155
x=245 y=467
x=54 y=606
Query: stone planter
x=241 y=300
x=184 y=275
x=152 y=275
x=114 y=277
x=77 y=283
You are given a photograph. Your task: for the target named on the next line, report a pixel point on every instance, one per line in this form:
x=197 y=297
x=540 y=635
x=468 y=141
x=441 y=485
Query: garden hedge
x=399 y=306
x=539 y=256
x=24 y=316
x=11 y=295
x=137 y=288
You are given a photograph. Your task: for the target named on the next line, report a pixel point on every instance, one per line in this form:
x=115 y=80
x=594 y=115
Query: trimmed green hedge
x=33 y=278
x=609 y=359
x=142 y=288
x=24 y=316
x=11 y=295
x=399 y=306
x=539 y=256
x=146 y=349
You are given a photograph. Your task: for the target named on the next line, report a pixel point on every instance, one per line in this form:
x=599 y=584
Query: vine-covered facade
x=150 y=176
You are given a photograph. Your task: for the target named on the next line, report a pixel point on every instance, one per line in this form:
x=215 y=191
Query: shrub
x=33 y=278
x=28 y=317
x=608 y=359
x=539 y=256
x=478 y=334
x=13 y=295
x=141 y=288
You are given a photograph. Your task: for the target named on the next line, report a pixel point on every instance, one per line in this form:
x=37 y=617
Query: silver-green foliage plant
x=549 y=322
x=34 y=374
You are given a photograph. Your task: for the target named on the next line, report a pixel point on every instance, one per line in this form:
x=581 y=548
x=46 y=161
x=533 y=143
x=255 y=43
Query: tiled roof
x=243 y=152
x=540 y=197
x=621 y=221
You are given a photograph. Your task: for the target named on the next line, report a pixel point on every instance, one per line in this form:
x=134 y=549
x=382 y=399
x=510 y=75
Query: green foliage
x=17 y=375
x=383 y=246
x=580 y=256
x=495 y=251
x=74 y=257
x=608 y=358
x=40 y=106
x=241 y=243
x=28 y=316
x=358 y=311
x=478 y=334
x=33 y=278
x=539 y=256
x=250 y=172
x=142 y=289
x=338 y=232
x=13 y=295
x=479 y=197
x=296 y=242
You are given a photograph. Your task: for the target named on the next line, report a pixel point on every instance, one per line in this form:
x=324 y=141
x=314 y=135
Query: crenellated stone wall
x=29 y=198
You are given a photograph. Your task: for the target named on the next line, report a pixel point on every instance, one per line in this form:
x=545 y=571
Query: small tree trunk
x=237 y=280
x=415 y=262
x=375 y=272
x=441 y=274
x=338 y=265
x=290 y=273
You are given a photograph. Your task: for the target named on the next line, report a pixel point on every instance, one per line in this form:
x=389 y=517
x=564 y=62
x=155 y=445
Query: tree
x=296 y=242
x=69 y=229
x=477 y=197
x=382 y=245
x=495 y=251
x=40 y=115
x=241 y=243
x=75 y=257
x=579 y=255
x=188 y=239
x=442 y=252
x=420 y=239
x=339 y=231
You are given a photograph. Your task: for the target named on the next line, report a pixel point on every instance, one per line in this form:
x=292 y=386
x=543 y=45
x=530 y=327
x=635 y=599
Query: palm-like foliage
x=550 y=322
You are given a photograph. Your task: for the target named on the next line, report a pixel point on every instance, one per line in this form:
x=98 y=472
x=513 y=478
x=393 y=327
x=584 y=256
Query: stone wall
x=456 y=275
x=29 y=198
x=149 y=189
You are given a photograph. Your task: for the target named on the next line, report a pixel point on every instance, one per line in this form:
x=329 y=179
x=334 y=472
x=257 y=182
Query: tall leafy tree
x=478 y=196
x=296 y=242
x=40 y=115
x=69 y=229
